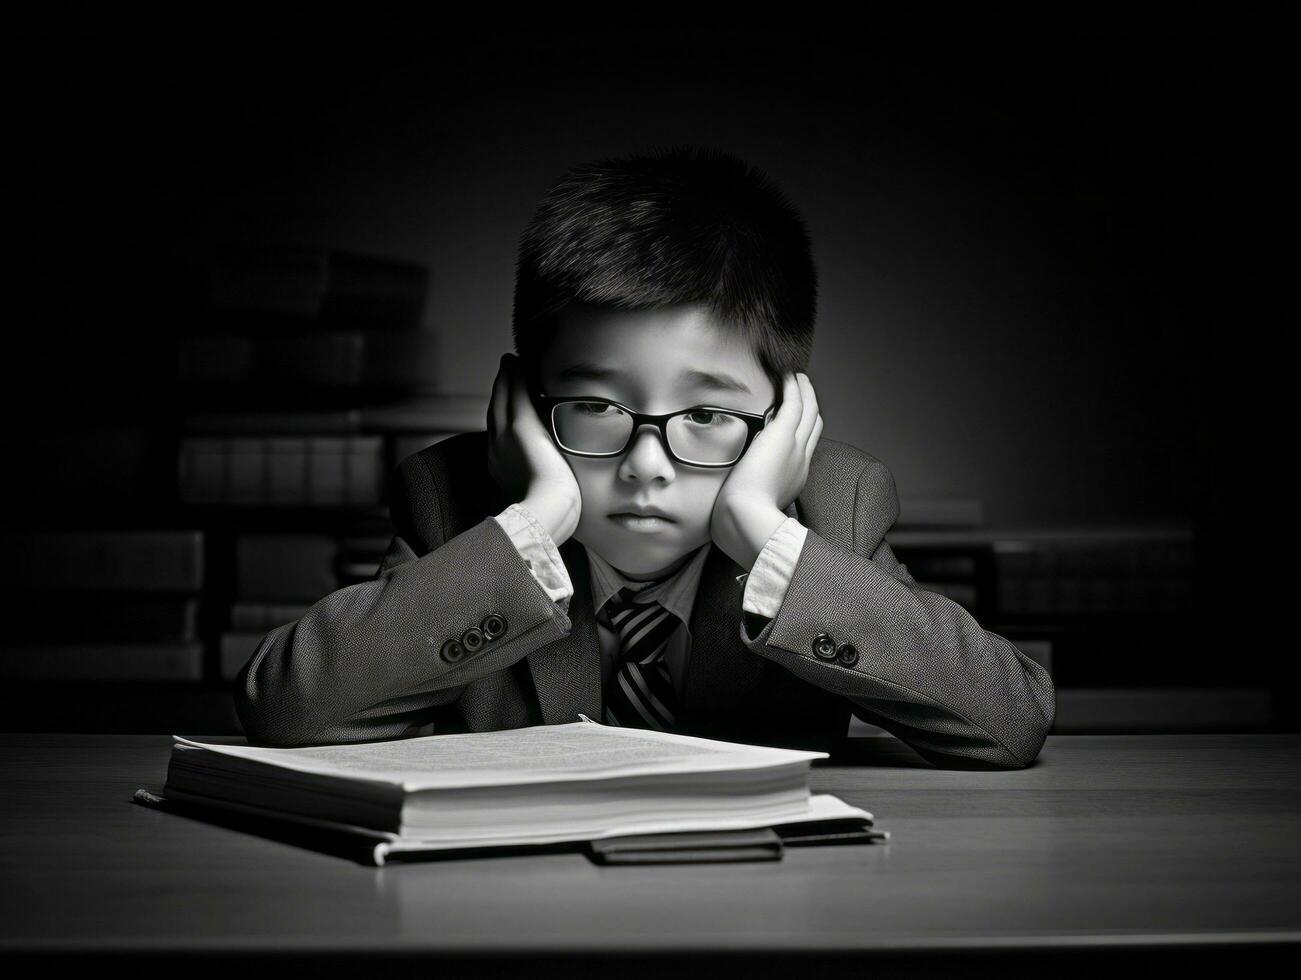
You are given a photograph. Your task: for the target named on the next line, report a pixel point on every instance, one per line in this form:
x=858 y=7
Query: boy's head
x=638 y=278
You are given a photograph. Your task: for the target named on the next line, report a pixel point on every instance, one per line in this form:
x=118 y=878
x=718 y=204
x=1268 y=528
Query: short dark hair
x=672 y=226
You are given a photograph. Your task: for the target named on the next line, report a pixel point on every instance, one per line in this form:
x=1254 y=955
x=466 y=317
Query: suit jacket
x=854 y=633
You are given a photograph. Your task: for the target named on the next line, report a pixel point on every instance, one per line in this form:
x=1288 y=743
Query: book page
x=818 y=807
x=542 y=753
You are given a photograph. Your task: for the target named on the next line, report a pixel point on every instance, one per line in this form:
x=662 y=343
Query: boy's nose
x=648 y=457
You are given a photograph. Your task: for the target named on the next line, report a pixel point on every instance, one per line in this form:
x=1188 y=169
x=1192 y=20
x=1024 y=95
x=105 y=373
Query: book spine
x=276 y=471
x=285 y=567
x=121 y=561
x=100 y=618
x=104 y=661
x=1094 y=578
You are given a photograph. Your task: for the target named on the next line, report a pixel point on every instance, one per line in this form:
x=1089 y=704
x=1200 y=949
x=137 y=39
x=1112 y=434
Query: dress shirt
x=677 y=594
x=765 y=583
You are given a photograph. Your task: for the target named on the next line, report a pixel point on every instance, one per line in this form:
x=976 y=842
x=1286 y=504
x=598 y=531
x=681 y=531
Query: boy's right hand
x=523 y=459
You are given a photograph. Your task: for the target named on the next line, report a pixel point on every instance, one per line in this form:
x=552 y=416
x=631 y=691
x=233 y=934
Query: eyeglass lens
x=699 y=436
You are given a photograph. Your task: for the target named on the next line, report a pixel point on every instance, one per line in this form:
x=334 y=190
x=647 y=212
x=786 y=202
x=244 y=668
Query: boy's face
x=653 y=361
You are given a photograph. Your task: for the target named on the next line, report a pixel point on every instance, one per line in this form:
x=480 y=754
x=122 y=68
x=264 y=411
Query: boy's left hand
x=770 y=475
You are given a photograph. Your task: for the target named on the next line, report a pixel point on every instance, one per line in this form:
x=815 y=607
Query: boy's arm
x=369 y=660
x=913 y=662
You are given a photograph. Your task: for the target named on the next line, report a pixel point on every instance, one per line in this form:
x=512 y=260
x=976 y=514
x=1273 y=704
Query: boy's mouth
x=641 y=512
x=644 y=521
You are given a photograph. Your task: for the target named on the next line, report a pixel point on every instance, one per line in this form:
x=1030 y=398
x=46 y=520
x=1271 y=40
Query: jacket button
x=846 y=654
x=824 y=647
x=472 y=639
x=452 y=651
x=493 y=626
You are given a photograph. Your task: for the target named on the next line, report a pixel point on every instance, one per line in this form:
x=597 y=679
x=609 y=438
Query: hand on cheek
x=770 y=475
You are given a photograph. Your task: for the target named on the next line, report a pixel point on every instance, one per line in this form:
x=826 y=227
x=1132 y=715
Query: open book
x=545 y=784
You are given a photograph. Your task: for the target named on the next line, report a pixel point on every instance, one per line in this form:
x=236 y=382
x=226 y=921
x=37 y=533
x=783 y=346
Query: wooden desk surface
x=1140 y=843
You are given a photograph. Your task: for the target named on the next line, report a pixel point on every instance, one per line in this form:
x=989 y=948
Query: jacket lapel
x=567 y=673
x=721 y=673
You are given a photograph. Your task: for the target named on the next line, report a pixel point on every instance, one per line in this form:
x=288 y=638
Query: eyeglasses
x=698 y=436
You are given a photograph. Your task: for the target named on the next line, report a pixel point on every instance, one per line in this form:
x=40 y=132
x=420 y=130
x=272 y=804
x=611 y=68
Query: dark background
x=1042 y=240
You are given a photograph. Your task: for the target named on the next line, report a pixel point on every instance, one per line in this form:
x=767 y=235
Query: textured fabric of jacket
x=364 y=662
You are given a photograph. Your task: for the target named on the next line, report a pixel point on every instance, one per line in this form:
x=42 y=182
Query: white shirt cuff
x=767 y=581
x=536 y=547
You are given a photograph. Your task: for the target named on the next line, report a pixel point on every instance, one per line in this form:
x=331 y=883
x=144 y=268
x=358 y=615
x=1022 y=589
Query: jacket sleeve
x=367 y=661
x=925 y=670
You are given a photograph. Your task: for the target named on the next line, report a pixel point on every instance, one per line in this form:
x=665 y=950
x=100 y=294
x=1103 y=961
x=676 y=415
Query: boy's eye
x=701 y=416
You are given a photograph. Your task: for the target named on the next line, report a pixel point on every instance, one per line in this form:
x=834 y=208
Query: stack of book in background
x=296 y=380
x=314 y=458
x=103 y=605
x=1108 y=611
x=283 y=470
x=1141 y=571
x=309 y=380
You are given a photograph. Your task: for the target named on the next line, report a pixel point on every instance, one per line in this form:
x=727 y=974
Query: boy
x=709 y=566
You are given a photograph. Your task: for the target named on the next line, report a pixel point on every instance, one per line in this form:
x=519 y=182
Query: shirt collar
x=677 y=594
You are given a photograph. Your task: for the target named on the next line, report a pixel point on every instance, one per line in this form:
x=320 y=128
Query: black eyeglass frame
x=754 y=425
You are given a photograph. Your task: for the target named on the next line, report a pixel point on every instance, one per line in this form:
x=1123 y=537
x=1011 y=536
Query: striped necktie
x=640 y=695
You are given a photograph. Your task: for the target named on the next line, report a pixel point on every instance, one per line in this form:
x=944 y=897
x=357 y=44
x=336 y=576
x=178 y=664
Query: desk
x=1154 y=846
